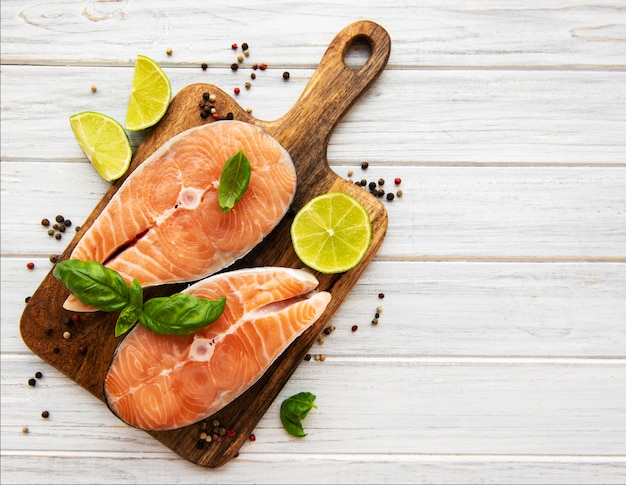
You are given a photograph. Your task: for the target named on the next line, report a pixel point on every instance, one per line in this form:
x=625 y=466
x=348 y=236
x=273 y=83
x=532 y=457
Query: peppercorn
x=381 y=182
x=372 y=185
x=323 y=357
x=38 y=375
x=25 y=429
x=380 y=192
x=45 y=222
x=252 y=437
x=57 y=236
x=30 y=265
x=204 y=66
x=379 y=309
x=230 y=433
x=68 y=321
x=252 y=76
x=237 y=90
x=32 y=382
x=350 y=172
x=201 y=444
x=255 y=66
x=45 y=414
x=399 y=193
x=94 y=88
x=234 y=66
x=66 y=335
x=248 y=84
x=307 y=357
x=212 y=98
x=263 y=67
x=390 y=196
x=244 y=46
x=363 y=182
x=381 y=295
x=47 y=330
x=216 y=422
x=364 y=165
x=355 y=328
x=240 y=58
x=229 y=115
x=397 y=181
x=54 y=258
x=215 y=116
x=59 y=218
x=285 y=75
x=248 y=110
x=376 y=315
x=76 y=318
x=77 y=228
x=246 y=53
x=204 y=114
x=205 y=96
x=168 y=51
x=56 y=350
x=67 y=223
x=61 y=228
x=27 y=299
x=233 y=46
x=50 y=232
x=375 y=321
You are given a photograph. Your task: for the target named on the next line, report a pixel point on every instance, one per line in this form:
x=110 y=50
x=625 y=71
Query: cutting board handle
x=334 y=86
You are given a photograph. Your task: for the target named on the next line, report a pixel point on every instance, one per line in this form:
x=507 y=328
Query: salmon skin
x=162 y=382
x=164 y=224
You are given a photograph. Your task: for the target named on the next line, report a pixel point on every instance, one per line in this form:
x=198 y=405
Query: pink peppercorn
x=234 y=47
x=237 y=90
x=354 y=328
x=216 y=116
x=252 y=437
x=230 y=433
x=76 y=318
x=30 y=265
x=397 y=180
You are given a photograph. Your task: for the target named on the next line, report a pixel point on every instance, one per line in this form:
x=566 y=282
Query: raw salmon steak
x=165 y=225
x=161 y=382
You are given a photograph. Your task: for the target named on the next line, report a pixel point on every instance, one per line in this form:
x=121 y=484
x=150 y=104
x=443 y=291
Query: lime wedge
x=150 y=96
x=104 y=142
x=331 y=233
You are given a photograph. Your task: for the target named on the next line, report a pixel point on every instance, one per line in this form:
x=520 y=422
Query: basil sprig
x=105 y=289
x=294 y=409
x=233 y=181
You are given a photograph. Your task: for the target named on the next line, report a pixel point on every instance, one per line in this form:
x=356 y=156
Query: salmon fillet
x=164 y=224
x=161 y=382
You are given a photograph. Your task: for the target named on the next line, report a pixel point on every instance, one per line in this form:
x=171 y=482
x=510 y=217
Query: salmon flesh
x=164 y=224
x=162 y=382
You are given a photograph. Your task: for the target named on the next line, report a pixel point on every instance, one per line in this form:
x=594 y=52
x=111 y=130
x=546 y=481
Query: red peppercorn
x=230 y=432
x=263 y=67
x=381 y=295
x=252 y=437
x=237 y=90
x=216 y=116
x=234 y=47
x=30 y=265
x=397 y=181
x=354 y=328
x=76 y=318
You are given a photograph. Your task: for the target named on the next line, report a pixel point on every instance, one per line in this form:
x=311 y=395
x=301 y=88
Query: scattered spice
x=246 y=53
x=230 y=433
x=263 y=67
x=397 y=181
x=82 y=350
x=168 y=51
x=30 y=265
x=204 y=66
x=381 y=182
x=248 y=84
x=27 y=299
x=233 y=47
x=399 y=193
x=25 y=429
x=252 y=437
x=32 y=382
x=56 y=350
x=364 y=165
x=45 y=222
x=285 y=75
x=307 y=357
x=75 y=318
x=47 y=330
x=390 y=196
x=379 y=309
x=236 y=90
x=375 y=321
x=252 y=76
x=381 y=295
x=38 y=375
x=234 y=66
x=94 y=88
x=244 y=46
x=67 y=335
x=59 y=218
x=350 y=172
x=45 y=414
x=54 y=258
x=240 y=58
x=355 y=328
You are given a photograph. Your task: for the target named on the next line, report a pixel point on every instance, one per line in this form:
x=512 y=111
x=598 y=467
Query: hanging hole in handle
x=358 y=52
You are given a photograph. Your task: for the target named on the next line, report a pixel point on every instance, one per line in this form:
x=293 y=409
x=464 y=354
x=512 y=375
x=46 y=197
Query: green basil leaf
x=93 y=284
x=180 y=314
x=136 y=294
x=294 y=409
x=128 y=317
x=233 y=181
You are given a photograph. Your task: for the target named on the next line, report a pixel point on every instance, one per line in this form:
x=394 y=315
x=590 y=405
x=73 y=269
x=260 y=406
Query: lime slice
x=150 y=96
x=331 y=233
x=104 y=142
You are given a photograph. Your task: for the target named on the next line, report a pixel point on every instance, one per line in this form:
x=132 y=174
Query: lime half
x=331 y=233
x=150 y=96
x=104 y=142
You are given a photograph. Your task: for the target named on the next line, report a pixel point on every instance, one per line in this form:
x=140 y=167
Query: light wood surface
x=500 y=354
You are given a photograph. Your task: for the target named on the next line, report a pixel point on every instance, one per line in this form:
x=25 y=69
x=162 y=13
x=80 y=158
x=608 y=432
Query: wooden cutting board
x=304 y=131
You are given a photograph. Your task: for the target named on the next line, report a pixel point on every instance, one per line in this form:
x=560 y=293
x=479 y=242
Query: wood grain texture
x=333 y=88
x=503 y=265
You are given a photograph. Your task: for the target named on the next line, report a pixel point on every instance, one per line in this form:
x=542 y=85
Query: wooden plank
x=443 y=309
x=428 y=33
x=120 y=468
x=411 y=406
x=409 y=117
x=446 y=213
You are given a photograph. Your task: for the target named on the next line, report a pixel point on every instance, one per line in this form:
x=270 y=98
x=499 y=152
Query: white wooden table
x=500 y=356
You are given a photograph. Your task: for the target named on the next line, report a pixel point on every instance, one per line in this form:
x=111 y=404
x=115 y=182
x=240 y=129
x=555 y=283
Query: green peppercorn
x=54 y=258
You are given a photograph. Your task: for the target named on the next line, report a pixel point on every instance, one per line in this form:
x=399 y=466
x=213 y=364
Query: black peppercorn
x=59 y=218
x=234 y=66
x=364 y=165
x=204 y=66
x=45 y=414
x=32 y=382
x=285 y=75
x=390 y=196
x=372 y=185
x=38 y=375
x=206 y=96
x=244 y=46
x=45 y=222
